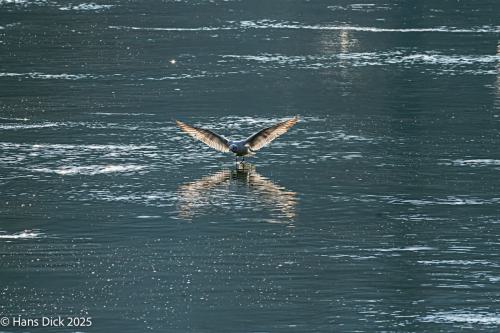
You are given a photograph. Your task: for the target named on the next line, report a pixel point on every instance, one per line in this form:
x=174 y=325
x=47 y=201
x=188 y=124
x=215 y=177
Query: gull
x=242 y=147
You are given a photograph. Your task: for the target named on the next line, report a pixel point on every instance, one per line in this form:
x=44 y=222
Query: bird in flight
x=243 y=147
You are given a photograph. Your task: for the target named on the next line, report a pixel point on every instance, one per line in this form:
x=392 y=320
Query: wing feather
x=266 y=135
x=209 y=138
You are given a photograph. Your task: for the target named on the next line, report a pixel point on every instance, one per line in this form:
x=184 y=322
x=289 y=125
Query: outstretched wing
x=265 y=136
x=209 y=138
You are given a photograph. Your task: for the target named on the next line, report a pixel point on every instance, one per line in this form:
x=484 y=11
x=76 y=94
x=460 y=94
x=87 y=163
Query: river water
x=378 y=212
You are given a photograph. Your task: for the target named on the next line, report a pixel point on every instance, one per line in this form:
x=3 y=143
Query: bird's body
x=242 y=147
x=239 y=148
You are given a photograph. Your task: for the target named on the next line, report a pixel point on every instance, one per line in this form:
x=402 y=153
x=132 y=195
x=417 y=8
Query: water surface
x=378 y=211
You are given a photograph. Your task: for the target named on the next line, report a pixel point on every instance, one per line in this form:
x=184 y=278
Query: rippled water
x=377 y=212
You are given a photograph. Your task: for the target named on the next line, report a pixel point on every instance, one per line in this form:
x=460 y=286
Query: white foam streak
x=61 y=76
x=15 y=119
x=91 y=169
x=26 y=126
x=86 y=6
x=451 y=59
x=121 y=114
x=26 y=234
x=455 y=262
x=91 y=147
x=463 y=317
x=89 y=76
x=24 y=2
x=371 y=58
x=477 y=162
x=452 y=201
x=415 y=248
x=176 y=77
x=121 y=27
x=269 y=24
x=38 y=75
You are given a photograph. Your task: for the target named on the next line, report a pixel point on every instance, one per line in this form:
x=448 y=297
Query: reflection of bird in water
x=214 y=191
x=243 y=147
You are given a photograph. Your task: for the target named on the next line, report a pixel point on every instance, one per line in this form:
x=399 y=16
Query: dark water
x=378 y=212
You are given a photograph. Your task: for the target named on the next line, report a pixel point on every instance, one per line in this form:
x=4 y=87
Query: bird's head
x=233 y=148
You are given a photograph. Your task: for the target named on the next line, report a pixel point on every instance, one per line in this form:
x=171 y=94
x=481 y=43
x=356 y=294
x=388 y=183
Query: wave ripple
x=91 y=169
